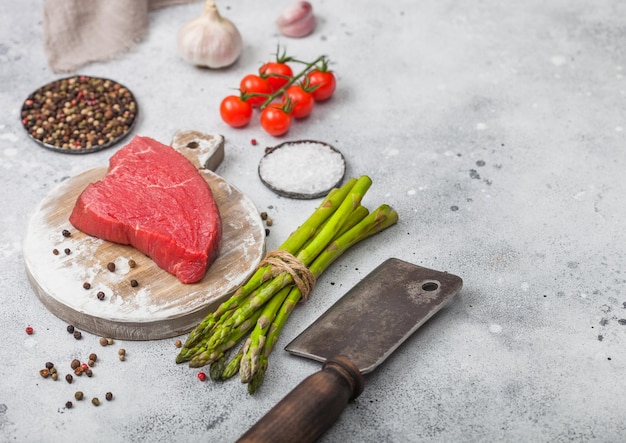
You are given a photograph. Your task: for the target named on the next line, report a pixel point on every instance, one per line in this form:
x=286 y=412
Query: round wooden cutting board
x=159 y=306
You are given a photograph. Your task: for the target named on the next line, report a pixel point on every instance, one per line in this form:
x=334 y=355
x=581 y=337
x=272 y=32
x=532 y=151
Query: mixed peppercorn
x=79 y=369
x=79 y=113
x=268 y=222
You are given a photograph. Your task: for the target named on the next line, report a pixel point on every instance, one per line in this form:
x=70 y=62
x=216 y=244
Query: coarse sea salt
x=305 y=169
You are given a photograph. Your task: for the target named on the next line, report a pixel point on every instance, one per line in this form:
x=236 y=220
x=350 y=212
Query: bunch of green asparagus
x=255 y=314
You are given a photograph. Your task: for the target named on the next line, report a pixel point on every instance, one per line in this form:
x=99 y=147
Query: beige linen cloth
x=78 y=32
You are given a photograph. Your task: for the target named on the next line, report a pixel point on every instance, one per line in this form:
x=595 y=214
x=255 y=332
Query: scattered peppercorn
x=78 y=371
x=121 y=351
x=93 y=357
x=253 y=141
x=54 y=376
x=201 y=376
x=111 y=266
x=68 y=404
x=67 y=251
x=109 y=341
x=263 y=215
x=87 y=285
x=267 y=232
x=109 y=396
x=88 y=372
x=66 y=233
x=55 y=251
x=69 y=378
x=29 y=330
x=85 y=366
x=178 y=343
x=100 y=295
x=95 y=401
x=78 y=395
x=122 y=357
x=49 y=365
x=45 y=373
x=269 y=222
x=75 y=363
x=70 y=329
x=79 y=113
x=103 y=341
x=78 y=335
x=134 y=283
x=132 y=263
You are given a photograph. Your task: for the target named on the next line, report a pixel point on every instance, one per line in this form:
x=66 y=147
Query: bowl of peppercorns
x=79 y=114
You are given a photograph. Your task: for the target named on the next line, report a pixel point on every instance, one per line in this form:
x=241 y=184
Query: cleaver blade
x=377 y=315
x=352 y=338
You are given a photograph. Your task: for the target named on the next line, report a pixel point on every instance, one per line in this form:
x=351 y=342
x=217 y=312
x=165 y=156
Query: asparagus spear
x=232 y=367
x=259 y=375
x=217 y=367
x=254 y=344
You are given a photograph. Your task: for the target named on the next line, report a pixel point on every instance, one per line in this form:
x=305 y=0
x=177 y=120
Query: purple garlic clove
x=297 y=20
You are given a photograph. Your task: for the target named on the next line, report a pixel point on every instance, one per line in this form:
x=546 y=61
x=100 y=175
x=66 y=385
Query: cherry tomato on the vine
x=301 y=100
x=275 y=120
x=235 y=111
x=254 y=84
x=276 y=73
x=325 y=84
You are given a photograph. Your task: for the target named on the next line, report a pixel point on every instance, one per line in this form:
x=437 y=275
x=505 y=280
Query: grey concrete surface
x=496 y=129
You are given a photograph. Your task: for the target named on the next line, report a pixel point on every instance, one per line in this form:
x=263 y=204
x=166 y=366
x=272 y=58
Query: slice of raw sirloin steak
x=154 y=199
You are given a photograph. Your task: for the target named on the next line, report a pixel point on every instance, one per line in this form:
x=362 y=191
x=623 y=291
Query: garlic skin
x=297 y=20
x=210 y=40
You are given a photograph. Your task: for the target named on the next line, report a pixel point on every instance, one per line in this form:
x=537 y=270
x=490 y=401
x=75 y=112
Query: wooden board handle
x=310 y=408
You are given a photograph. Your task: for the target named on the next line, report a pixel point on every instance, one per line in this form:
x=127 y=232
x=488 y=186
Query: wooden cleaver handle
x=311 y=407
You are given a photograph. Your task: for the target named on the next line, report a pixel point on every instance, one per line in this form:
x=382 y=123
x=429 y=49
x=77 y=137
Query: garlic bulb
x=297 y=20
x=210 y=40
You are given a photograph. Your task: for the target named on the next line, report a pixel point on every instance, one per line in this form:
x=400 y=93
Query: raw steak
x=154 y=199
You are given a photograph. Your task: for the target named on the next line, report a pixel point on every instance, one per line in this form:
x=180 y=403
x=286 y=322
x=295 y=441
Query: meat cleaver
x=352 y=338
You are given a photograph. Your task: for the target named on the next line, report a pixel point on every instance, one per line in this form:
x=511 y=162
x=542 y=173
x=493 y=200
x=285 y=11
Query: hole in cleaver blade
x=377 y=315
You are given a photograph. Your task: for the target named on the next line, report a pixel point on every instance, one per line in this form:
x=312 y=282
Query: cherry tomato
x=276 y=73
x=254 y=84
x=275 y=120
x=235 y=111
x=301 y=101
x=324 y=81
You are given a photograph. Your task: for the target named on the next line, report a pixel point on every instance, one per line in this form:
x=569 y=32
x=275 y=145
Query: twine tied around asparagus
x=281 y=261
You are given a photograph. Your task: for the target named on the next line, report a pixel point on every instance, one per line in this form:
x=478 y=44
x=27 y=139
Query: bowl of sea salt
x=302 y=169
